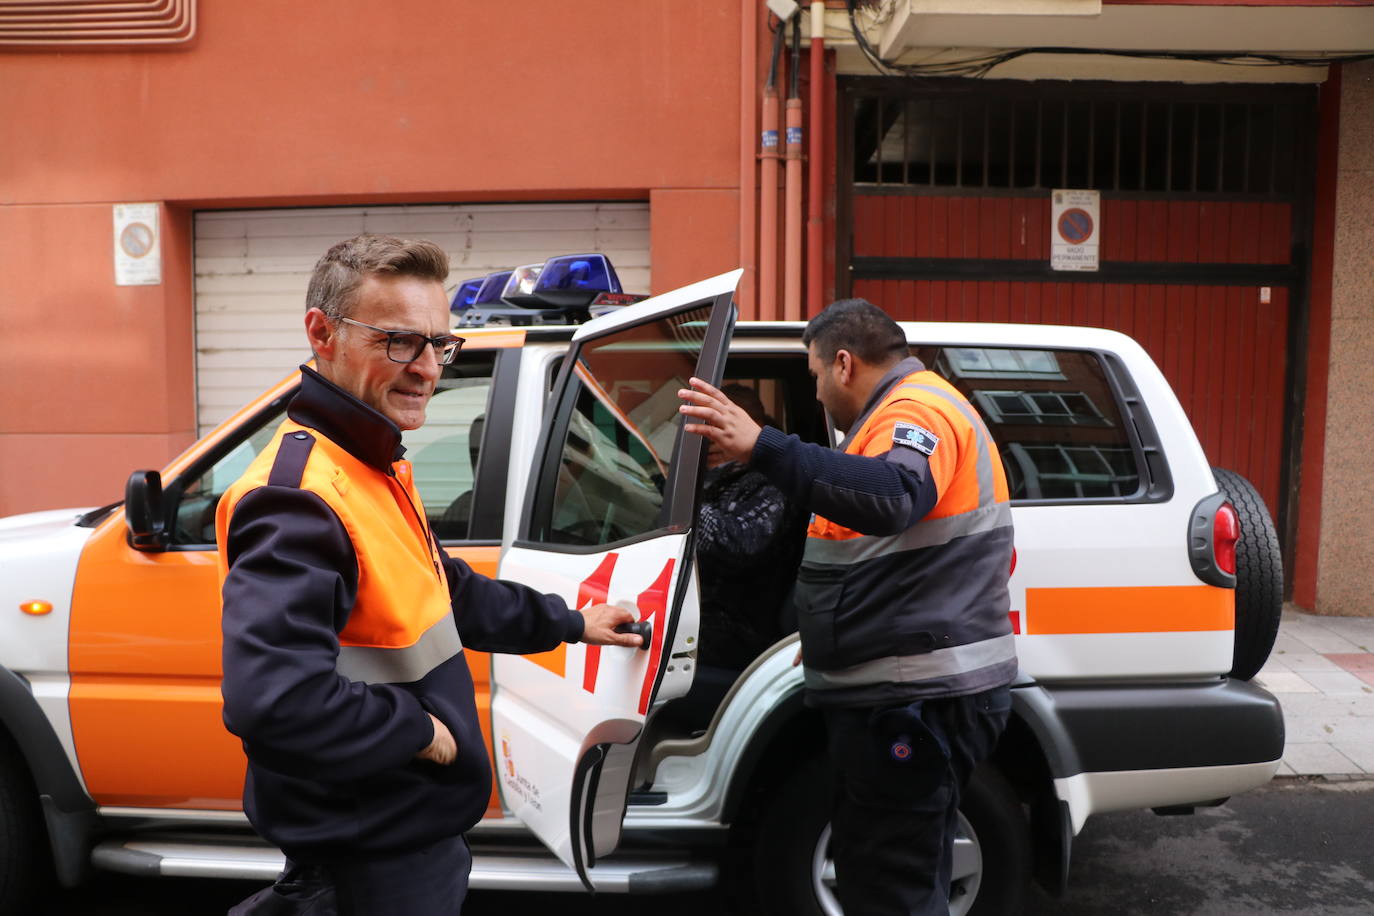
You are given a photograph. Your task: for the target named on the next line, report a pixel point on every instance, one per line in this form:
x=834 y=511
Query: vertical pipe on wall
x=768 y=185
x=815 y=223
x=748 y=89
x=792 y=218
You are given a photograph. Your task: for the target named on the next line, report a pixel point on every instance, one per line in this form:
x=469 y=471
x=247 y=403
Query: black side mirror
x=143 y=510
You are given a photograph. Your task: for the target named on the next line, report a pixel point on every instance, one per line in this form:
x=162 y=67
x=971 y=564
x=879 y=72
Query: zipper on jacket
x=430 y=543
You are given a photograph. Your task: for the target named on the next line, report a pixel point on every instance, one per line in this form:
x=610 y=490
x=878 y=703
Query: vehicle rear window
x=1053 y=415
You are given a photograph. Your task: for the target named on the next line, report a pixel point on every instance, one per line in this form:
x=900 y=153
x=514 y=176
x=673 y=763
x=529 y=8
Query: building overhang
x=930 y=32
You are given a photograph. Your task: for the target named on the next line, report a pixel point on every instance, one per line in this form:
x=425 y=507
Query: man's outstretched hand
x=720 y=419
x=600 y=623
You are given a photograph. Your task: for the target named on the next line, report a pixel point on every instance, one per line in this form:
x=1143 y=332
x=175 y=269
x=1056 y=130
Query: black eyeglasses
x=406 y=346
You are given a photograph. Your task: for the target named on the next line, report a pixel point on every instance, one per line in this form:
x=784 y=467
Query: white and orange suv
x=553 y=455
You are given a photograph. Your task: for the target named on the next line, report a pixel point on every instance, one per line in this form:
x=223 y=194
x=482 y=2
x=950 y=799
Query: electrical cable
x=979 y=66
x=794 y=76
x=779 y=37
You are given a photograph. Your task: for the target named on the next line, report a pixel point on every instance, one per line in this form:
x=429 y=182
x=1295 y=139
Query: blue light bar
x=520 y=287
x=465 y=295
x=574 y=280
x=492 y=287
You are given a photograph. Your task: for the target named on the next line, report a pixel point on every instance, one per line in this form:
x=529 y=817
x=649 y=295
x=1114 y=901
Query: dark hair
x=748 y=399
x=860 y=327
x=337 y=276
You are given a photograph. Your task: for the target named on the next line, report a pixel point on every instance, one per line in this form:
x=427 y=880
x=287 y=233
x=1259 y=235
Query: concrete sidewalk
x=1322 y=671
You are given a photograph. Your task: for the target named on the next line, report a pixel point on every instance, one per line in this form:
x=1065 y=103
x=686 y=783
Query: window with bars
x=1046 y=408
x=1054 y=471
x=1056 y=420
x=1226 y=143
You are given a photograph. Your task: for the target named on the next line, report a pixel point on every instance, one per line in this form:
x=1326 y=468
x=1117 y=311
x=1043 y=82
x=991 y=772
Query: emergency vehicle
x=553 y=455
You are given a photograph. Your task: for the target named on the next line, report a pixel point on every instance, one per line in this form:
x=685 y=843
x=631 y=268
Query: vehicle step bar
x=493 y=868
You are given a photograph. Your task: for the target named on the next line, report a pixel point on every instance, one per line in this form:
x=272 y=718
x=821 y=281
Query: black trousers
x=899 y=772
x=432 y=881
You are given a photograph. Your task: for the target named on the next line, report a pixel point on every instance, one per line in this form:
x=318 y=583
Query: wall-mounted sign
x=137 y=245
x=1075 y=218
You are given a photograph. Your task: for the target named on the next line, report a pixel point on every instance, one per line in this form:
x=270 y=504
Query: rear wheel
x=23 y=850
x=796 y=875
x=1259 y=576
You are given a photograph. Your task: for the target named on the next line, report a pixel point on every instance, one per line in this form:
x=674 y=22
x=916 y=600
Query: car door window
x=445 y=452
x=193 y=524
x=619 y=437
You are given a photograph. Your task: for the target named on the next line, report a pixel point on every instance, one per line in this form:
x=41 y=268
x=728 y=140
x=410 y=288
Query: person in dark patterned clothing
x=749 y=542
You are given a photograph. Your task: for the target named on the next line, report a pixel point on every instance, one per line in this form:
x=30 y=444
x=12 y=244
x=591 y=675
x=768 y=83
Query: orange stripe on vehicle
x=555 y=660
x=505 y=339
x=1143 y=609
x=484 y=560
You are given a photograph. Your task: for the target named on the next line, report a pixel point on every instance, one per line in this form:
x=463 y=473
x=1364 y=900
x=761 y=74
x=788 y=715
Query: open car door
x=608 y=518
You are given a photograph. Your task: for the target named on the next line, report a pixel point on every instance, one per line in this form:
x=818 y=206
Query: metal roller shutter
x=252 y=268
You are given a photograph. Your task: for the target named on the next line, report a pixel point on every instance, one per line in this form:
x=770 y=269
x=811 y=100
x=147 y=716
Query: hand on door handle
x=643 y=629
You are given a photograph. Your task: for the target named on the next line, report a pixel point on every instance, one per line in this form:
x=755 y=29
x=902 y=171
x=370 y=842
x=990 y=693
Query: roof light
x=573 y=281
x=492 y=287
x=465 y=294
x=520 y=287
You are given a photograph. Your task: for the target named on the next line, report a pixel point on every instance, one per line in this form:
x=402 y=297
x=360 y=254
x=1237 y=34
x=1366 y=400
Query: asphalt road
x=1294 y=847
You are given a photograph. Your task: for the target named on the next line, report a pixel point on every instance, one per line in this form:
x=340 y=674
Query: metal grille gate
x=945 y=215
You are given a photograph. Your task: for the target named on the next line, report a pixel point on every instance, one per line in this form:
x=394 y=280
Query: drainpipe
x=768 y=189
x=815 y=226
x=792 y=219
x=748 y=75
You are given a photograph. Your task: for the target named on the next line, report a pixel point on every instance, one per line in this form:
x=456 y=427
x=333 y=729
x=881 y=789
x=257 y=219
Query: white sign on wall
x=1075 y=219
x=137 y=245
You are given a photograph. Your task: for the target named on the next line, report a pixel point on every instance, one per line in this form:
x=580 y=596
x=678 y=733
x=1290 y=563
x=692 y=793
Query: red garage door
x=949 y=217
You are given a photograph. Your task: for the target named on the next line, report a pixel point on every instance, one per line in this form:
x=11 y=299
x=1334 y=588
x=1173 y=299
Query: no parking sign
x=1074 y=229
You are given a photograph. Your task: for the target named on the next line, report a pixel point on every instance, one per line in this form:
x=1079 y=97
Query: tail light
x=1225 y=534
x=1213 y=530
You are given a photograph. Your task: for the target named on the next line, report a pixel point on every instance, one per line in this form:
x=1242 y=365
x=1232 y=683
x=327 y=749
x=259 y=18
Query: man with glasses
x=344 y=622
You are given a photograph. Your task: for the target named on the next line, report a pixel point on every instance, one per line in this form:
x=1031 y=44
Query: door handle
x=644 y=628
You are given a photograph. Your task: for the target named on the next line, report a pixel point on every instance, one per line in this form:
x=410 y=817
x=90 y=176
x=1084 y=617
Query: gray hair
x=334 y=283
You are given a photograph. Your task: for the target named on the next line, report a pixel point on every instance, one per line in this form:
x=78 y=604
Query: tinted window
x=445 y=451
x=194 y=518
x=621 y=432
x=1053 y=416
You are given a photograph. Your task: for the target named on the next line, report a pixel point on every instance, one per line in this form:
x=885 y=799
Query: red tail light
x=1225 y=534
x=1013 y=560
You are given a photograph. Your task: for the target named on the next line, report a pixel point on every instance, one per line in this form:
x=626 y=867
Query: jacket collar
x=360 y=430
x=909 y=366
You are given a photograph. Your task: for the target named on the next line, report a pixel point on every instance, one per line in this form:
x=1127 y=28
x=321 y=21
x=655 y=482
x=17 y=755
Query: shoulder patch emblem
x=917 y=437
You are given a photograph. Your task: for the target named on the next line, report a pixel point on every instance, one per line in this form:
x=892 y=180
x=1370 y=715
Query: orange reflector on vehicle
x=36 y=608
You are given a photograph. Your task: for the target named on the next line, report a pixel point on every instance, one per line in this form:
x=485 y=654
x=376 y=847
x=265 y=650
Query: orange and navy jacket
x=902 y=592
x=344 y=624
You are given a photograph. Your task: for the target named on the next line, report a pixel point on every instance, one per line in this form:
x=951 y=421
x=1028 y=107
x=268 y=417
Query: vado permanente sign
x=1075 y=219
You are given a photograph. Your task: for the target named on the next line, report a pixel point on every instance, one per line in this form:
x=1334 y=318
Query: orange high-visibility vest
x=922 y=612
x=401 y=626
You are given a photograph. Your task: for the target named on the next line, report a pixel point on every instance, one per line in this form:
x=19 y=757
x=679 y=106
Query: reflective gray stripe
x=986 y=491
x=375 y=665
x=930 y=532
x=901 y=669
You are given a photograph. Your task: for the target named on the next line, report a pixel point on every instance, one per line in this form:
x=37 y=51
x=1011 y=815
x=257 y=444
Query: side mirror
x=143 y=510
